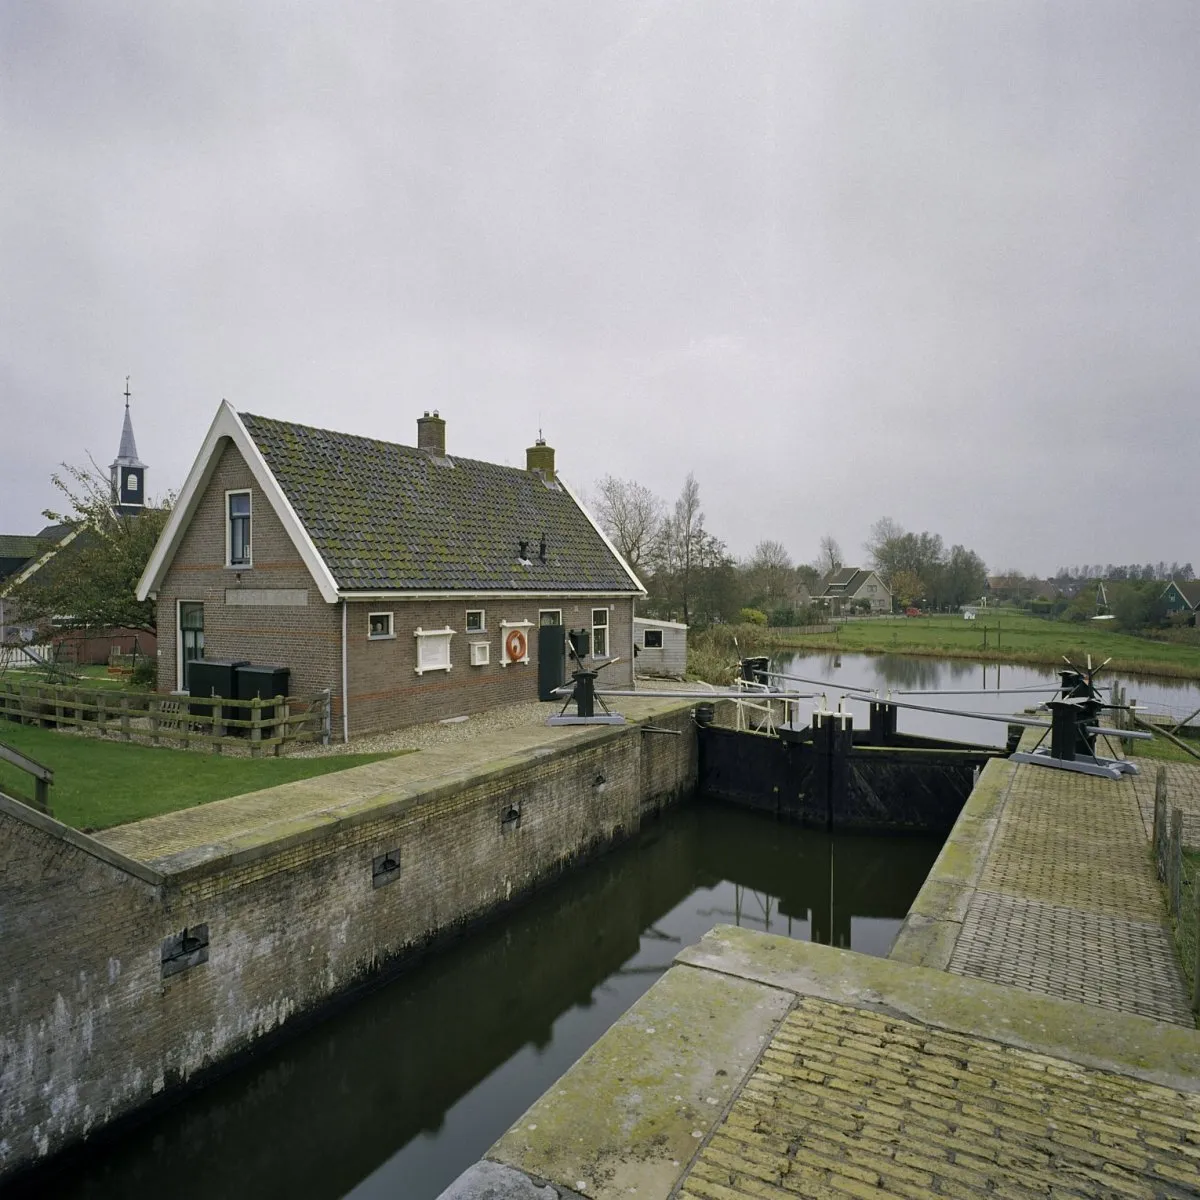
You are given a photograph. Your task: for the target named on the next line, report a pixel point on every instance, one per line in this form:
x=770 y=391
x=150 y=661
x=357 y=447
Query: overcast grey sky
x=935 y=261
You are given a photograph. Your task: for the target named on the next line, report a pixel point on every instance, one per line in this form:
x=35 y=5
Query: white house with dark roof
x=848 y=586
x=412 y=583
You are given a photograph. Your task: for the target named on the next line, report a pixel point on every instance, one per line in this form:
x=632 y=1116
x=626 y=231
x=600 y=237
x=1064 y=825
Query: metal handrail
x=43 y=776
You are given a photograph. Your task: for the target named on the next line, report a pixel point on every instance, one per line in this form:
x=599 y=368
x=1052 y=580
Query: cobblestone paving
x=1088 y=957
x=852 y=1102
x=1068 y=904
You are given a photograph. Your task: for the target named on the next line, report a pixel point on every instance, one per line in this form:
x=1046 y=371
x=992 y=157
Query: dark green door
x=552 y=660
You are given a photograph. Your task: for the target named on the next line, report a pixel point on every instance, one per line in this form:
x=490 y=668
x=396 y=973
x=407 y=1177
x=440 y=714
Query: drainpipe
x=345 y=689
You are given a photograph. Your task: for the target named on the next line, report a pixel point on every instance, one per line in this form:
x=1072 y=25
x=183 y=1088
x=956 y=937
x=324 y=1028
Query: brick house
x=849 y=585
x=410 y=582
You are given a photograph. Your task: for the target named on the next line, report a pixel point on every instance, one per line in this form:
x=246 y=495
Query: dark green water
x=396 y=1094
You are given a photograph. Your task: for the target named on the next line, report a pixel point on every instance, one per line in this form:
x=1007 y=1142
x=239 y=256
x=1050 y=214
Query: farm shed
x=660 y=647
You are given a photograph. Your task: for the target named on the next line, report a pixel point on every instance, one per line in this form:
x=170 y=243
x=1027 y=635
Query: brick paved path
x=1067 y=903
x=851 y=1102
x=1183 y=792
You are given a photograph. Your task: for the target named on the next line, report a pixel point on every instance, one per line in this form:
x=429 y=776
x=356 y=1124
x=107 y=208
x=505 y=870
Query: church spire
x=128 y=472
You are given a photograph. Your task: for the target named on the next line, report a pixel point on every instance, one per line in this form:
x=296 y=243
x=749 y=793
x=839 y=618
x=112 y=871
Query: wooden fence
x=156 y=719
x=1169 y=842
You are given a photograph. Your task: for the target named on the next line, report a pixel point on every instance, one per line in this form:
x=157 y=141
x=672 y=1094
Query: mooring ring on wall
x=514 y=645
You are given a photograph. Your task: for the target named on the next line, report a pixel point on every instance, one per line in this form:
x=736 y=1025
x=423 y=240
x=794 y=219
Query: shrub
x=145 y=673
x=752 y=616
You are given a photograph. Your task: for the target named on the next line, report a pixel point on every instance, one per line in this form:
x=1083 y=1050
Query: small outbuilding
x=660 y=648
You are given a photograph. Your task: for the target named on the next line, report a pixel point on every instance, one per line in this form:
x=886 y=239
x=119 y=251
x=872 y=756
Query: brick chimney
x=431 y=434
x=540 y=457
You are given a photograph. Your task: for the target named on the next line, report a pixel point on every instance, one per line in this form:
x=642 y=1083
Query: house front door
x=191 y=637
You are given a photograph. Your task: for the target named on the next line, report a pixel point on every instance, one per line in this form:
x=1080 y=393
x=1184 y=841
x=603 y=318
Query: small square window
x=379 y=625
x=652 y=639
x=475 y=620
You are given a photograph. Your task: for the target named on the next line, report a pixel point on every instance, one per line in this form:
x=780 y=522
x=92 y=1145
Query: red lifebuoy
x=515 y=645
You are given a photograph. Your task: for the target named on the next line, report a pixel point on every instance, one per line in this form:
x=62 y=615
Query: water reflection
x=1001 y=689
x=400 y=1091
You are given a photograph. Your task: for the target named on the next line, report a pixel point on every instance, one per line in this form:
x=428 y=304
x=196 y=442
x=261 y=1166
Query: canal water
x=954 y=684
x=398 y=1092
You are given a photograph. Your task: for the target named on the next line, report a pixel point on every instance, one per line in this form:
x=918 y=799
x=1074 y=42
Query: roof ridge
x=463 y=458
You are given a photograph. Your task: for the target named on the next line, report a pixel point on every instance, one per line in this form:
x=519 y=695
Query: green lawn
x=999 y=637
x=99 y=783
x=1185 y=923
x=1161 y=750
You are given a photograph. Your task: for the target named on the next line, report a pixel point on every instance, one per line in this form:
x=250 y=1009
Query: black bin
x=263 y=683
x=581 y=641
x=212 y=677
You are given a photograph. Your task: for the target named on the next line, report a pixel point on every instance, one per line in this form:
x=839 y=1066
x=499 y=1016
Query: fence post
x=327 y=717
x=1196 y=939
x=283 y=723
x=125 y=734
x=1160 y=820
x=154 y=708
x=41 y=794
x=255 y=727
x=101 y=711
x=1175 y=861
x=217 y=729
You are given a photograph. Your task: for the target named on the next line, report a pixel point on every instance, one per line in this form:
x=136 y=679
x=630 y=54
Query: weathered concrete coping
x=226 y=833
x=934 y=922
x=83 y=841
x=631 y=1116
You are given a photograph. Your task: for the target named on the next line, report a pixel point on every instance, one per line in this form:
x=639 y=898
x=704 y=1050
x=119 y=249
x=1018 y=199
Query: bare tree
x=770 y=572
x=682 y=544
x=829 y=559
x=632 y=515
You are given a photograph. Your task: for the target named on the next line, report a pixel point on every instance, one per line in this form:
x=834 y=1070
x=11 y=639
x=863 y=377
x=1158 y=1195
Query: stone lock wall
x=92 y=1026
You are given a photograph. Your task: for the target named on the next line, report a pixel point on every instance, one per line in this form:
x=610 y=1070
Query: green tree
x=91 y=583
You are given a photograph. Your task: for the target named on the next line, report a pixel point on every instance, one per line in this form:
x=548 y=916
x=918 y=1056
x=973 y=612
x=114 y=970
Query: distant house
x=660 y=647
x=1182 y=595
x=22 y=556
x=844 y=588
x=412 y=583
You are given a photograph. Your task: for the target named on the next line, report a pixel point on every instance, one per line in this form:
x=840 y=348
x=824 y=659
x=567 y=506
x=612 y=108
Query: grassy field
x=1010 y=637
x=98 y=783
x=1162 y=751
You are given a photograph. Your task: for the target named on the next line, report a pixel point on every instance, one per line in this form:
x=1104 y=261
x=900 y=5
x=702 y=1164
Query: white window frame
x=646 y=645
x=543 y=611
x=427 y=639
x=179 y=639
x=382 y=637
x=605 y=625
x=482 y=621
x=506 y=627
x=229 y=563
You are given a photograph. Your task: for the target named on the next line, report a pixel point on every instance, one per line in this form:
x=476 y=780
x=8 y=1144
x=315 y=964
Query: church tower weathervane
x=128 y=472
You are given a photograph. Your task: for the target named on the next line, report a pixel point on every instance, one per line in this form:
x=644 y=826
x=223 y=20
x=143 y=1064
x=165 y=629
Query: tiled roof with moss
x=18 y=549
x=389 y=517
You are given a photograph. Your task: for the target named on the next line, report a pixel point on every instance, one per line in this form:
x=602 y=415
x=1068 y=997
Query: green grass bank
x=100 y=783
x=1008 y=637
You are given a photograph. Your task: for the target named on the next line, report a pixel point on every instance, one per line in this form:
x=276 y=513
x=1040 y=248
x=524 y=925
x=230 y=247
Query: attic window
x=379 y=626
x=475 y=620
x=237 y=529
